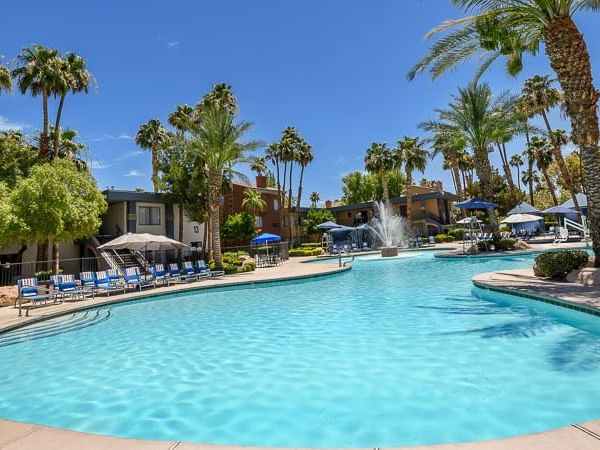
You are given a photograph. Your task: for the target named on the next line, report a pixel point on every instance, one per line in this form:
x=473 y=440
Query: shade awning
x=476 y=203
x=560 y=210
x=581 y=199
x=142 y=241
x=265 y=238
x=329 y=225
x=521 y=218
x=523 y=208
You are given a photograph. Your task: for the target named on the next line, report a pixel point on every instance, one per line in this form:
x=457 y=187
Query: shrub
x=457 y=233
x=439 y=238
x=311 y=245
x=507 y=244
x=317 y=251
x=484 y=246
x=230 y=269
x=449 y=239
x=248 y=266
x=300 y=252
x=557 y=264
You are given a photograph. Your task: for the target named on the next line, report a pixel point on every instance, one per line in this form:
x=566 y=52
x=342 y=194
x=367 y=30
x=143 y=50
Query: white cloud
x=134 y=173
x=109 y=137
x=172 y=44
x=125 y=136
x=7 y=124
x=340 y=161
x=128 y=155
x=97 y=164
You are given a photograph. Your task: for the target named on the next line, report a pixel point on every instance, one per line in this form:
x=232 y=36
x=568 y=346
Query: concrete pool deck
x=24 y=436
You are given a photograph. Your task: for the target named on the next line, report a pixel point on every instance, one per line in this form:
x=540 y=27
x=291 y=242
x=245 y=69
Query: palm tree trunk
x=530 y=175
x=57 y=124
x=282 y=194
x=506 y=166
x=386 y=192
x=570 y=59
x=44 y=139
x=155 y=182
x=560 y=162
x=550 y=186
x=180 y=230
x=215 y=181
x=459 y=191
x=298 y=200
x=42 y=256
x=279 y=193
x=518 y=176
x=290 y=206
x=483 y=169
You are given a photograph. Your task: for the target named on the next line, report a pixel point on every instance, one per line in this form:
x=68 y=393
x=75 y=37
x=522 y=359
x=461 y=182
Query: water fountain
x=388 y=229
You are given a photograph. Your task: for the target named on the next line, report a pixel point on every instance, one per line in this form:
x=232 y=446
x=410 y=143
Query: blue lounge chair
x=203 y=270
x=133 y=278
x=29 y=290
x=103 y=284
x=159 y=275
x=190 y=273
x=175 y=273
x=66 y=286
x=114 y=276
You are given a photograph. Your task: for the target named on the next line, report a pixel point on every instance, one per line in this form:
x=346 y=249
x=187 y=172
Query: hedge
x=311 y=245
x=558 y=263
x=305 y=252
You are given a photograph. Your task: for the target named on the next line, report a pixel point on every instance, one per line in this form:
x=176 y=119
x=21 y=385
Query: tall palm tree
x=221 y=95
x=379 y=160
x=541 y=150
x=290 y=145
x=516 y=161
x=153 y=136
x=181 y=118
x=40 y=73
x=253 y=202
x=314 y=199
x=274 y=154
x=74 y=78
x=258 y=164
x=452 y=147
x=216 y=140
x=511 y=28
x=304 y=157
x=472 y=113
x=411 y=153
x=539 y=97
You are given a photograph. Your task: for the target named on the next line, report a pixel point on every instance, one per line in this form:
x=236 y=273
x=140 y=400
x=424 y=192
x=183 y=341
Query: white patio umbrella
x=521 y=218
x=467 y=221
x=142 y=241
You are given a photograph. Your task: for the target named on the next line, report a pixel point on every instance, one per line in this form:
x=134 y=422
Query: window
x=149 y=215
x=258 y=221
x=275 y=205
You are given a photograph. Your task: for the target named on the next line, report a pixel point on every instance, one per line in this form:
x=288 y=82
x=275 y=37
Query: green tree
x=411 y=154
x=6 y=217
x=380 y=160
x=5 y=78
x=314 y=199
x=68 y=205
x=40 y=73
x=540 y=97
x=239 y=228
x=314 y=217
x=512 y=28
x=181 y=118
x=258 y=164
x=516 y=161
x=74 y=77
x=451 y=146
x=304 y=157
x=154 y=137
x=541 y=150
x=253 y=202
x=17 y=156
x=216 y=140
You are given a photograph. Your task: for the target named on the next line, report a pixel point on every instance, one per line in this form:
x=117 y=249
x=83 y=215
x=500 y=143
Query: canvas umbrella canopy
x=265 y=238
x=142 y=241
x=521 y=218
x=476 y=203
x=523 y=208
x=467 y=221
x=329 y=225
x=560 y=210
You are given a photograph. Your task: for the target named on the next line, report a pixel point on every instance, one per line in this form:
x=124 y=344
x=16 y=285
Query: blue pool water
x=400 y=352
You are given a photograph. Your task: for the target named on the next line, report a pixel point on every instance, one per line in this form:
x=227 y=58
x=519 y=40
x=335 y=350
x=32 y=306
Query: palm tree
x=541 y=150
x=181 y=118
x=253 y=201
x=5 y=79
x=258 y=164
x=517 y=161
x=304 y=157
x=314 y=199
x=40 y=73
x=473 y=114
x=153 y=136
x=74 y=78
x=452 y=147
x=290 y=145
x=539 y=97
x=215 y=140
x=379 y=160
x=511 y=28
x=412 y=154
x=222 y=95
x=274 y=154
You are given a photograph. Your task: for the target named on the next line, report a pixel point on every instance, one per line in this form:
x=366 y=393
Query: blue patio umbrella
x=265 y=238
x=560 y=210
x=476 y=203
x=329 y=225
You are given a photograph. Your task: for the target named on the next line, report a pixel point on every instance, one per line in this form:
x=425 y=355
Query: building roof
x=114 y=195
x=581 y=199
x=523 y=208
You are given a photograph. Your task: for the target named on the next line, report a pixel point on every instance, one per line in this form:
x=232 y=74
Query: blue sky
x=335 y=69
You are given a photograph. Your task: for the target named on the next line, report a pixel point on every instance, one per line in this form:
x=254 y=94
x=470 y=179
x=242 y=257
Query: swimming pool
x=390 y=353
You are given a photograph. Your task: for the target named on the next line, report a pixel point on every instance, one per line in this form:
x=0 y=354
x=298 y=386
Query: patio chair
x=174 y=273
x=159 y=275
x=114 y=276
x=354 y=247
x=28 y=289
x=431 y=240
x=203 y=270
x=562 y=236
x=134 y=279
x=365 y=247
x=87 y=279
x=66 y=286
x=103 y=284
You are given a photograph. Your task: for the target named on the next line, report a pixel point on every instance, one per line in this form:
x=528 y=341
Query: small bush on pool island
x=557 y=264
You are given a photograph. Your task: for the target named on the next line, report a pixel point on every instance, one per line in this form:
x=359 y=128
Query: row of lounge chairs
x=110 y=281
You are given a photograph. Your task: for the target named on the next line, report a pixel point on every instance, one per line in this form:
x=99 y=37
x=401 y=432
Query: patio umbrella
x=521 y=218
x=467 y=221
x=265 y=239
x=560 y=210
x=142 y=241
x=329 y=225
x=523 y=208
x=476 y=203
